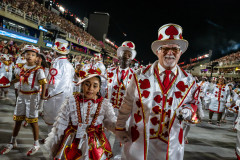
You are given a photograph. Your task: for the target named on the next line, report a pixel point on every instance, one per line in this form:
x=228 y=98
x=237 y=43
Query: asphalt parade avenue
x=206 y=141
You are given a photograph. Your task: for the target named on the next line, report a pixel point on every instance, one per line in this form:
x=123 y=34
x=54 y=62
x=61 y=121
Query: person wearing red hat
x=158 y=99
x=78 y=132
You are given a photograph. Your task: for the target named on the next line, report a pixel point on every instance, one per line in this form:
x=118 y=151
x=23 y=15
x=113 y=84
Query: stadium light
x=61 y=9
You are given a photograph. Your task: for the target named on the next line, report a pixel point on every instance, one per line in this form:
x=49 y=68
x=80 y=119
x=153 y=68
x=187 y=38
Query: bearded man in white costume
x=158 y=98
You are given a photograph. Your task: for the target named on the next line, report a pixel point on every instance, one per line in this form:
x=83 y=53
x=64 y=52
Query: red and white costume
x=219 y=98
x=6 y=68
x=60 y=82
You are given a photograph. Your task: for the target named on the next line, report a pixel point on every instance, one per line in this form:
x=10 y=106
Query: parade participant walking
x=60 y=80
x=31 y=78
x=204 y=85
x=154 y=101
x=78 y=132
x=6 y=68
x=237 y=127
x=119 y=77
x=218 y=100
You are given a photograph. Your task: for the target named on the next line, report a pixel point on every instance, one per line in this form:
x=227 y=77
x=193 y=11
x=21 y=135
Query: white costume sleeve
x=109 y=117
x=126 y=107
x=40 y=74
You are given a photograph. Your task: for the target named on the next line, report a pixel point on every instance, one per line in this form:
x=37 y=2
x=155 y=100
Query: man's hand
x=123 y=136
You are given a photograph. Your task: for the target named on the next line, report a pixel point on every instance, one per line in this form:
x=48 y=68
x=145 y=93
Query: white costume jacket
x=204 y=85
x=219 y=98
x=60 y=77
x=154 y=127
x=117 y=88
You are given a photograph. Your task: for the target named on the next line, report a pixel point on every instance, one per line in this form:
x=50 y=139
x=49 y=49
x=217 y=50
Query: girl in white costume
x=78 y=132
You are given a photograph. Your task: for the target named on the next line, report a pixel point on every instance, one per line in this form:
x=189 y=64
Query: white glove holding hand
x=123 y=136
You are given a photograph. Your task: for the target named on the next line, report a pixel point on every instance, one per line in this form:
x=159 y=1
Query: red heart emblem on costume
x=114 y=93
x=152 y=131
x=170 y=101
x=116 y=87
x=181 y=86
x=145 y=94
x=178 y=94
x=145 y=84
x=137 y=117
x=138 y=103
x=73 y=152
x=165 y=134
x=154 y=121
x=110 y=75
x=110 y=81
x=122 y=94
x=134 y=132
x=156 y=110
x=158 y=98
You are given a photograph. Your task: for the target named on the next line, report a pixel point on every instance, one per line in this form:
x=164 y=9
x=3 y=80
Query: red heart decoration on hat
x=57 y=44
x=130 y=45
x=181 y=86
x=135 y=133
x=160 y=37
x=145 y=84
x=145 y=94
x=171 y=31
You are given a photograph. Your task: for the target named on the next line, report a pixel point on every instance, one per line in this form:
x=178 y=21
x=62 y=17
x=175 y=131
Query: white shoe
x=8 y=148
x=33 y=150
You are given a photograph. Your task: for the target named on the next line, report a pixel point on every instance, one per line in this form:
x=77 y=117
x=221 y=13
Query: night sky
x=212 y=24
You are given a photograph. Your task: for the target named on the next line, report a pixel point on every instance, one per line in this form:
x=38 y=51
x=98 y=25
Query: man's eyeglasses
x=166 y=49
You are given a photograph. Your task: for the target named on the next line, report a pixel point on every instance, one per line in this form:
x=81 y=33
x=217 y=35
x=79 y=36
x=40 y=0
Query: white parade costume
x=155 y=130
x=237 y=127
x=31 y=77
x=116 y=86
x=60 y=86
x=60 y=82
x=6 y=68
x=219 y=98
x=155 y=110
x=78 y=132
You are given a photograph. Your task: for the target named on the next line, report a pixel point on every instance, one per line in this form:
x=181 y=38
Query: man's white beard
x=169 y=64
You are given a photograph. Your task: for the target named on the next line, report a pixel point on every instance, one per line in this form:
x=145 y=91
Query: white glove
x=41 y=102
x=186 y=113
x=123 y=136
